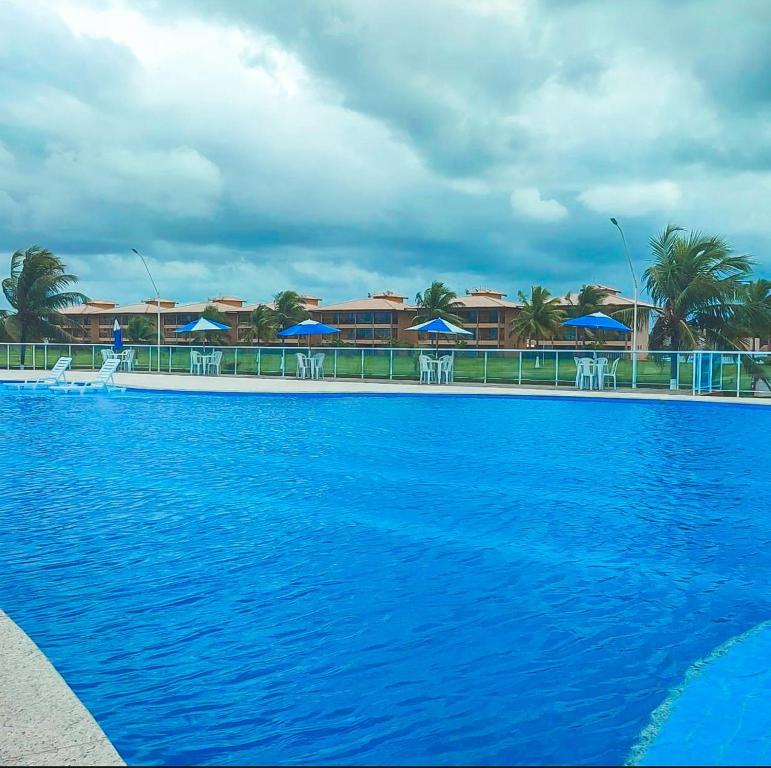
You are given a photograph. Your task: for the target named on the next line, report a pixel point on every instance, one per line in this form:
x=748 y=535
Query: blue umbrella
x=597 y=321
x=202 y=324
x=117 y=337
x=308 y=328
x=438 y=326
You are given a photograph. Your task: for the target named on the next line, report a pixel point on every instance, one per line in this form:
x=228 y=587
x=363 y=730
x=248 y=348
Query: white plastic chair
x=600 y=367
x=302 y=366
x=215 y=359
x=128 y=360
x=585 y=373
x=196 y=361
x=56 y=376
x=611 y=374
x=318 y=365
x=107 y=354
x=426 y=371
x=445 y=369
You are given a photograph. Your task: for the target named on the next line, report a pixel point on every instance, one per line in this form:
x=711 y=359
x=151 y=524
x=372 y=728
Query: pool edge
x=44 y=722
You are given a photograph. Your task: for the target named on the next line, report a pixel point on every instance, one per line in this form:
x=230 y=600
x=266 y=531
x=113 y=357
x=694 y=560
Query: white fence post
x=235 y=364
x=738 y=374
x=485 y=373
x=556 y=368
x=259 y=360
x=391 y=365
x=362 y=362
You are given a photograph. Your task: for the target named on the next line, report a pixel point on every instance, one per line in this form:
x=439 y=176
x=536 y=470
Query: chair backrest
x=423 y=360
x=216 y=357
x=62 y=364
x=195 y=356
x=106 y=355
x=319 y=357
x=445 y=361
x=614 y=365
x=129 y=355
x=301 y=359
x=585 y=366
x=107 y=370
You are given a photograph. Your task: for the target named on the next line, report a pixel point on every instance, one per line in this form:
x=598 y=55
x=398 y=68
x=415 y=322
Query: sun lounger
x=55 y=376
x=103 y=382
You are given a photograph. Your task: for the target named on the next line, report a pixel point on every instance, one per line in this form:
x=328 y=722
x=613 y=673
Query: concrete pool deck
x=43 y=721
x=182 y=382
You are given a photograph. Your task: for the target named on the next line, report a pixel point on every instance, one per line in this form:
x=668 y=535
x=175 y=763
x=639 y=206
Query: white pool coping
x=180 y=382
x=43 y=721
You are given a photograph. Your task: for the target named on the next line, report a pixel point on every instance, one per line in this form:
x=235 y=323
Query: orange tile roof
x=368 y=304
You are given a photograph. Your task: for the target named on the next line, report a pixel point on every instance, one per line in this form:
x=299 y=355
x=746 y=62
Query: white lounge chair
x=56 y=376
x=103 y=382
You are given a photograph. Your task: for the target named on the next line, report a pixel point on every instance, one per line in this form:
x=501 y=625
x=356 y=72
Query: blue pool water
x=251 y=579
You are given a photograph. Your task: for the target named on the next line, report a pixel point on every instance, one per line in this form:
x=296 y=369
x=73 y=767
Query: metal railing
x=699 y=372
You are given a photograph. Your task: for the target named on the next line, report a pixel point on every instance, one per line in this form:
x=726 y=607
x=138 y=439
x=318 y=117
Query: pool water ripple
x=247 y=579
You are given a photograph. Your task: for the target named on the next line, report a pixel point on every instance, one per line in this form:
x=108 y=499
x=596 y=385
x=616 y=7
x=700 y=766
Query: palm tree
x=540 y=316
x=590 y=299
x=288 y=309
x=695 y=281
x=261 y=324
x=35 y=292
x=211 y=312
x=140 y=329
x=754 y=312
x=438 y=302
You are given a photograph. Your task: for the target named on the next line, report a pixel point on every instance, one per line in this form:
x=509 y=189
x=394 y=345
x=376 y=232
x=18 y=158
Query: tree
x=35 y=291
x=211 y=312
x=140 y=329
x=438 y=302
x=540 y=316
x=288 y=309
x=261 y=324
x=590 y=299
x=754 y=312
x=696 y=282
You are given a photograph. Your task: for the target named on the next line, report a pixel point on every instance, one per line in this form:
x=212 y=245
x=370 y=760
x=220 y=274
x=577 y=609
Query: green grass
x=529 y=368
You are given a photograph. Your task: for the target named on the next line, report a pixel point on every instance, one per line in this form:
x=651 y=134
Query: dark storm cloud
x=340 y=145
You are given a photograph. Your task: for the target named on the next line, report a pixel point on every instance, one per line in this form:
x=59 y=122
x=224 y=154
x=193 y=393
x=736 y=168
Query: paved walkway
x=42 y=721
x=277 y=385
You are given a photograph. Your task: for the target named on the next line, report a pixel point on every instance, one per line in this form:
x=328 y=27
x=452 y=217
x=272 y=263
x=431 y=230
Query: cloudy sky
x=338 y=147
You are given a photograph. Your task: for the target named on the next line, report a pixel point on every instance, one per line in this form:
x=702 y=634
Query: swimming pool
x=247 y=579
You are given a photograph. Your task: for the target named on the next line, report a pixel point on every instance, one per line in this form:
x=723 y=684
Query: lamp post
x=157 y=303
x=636 y=295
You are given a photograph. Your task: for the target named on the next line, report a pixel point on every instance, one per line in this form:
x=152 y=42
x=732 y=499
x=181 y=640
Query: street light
x=636 y=294
x=158 y=303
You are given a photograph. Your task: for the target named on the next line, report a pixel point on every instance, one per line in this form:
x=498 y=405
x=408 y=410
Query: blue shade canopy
x=308 y=328
x=202 y=324
x=599 y=321
x=437 y=325
x=117 y=337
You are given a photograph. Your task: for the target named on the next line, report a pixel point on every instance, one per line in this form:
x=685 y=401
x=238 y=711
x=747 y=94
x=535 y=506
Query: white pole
x=158 y=305
x=636 y=299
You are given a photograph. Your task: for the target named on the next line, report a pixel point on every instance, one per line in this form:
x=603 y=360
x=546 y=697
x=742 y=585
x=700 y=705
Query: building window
x=365 y=318
x=383 y=318
x=364 y=333
x=347 y=318
x=470 y=316
x=382 y=333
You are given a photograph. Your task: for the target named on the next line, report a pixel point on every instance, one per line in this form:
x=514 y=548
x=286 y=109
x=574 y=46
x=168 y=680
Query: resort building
x=380 y=319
